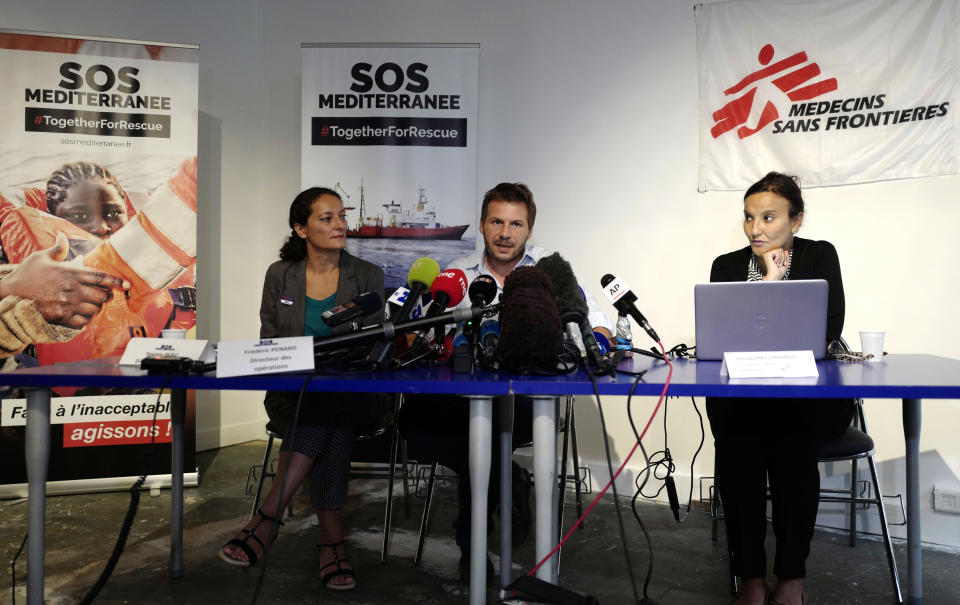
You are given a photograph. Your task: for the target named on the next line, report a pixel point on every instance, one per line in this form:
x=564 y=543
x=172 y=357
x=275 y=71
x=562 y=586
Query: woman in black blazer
x=314 y=274
x=775 y=438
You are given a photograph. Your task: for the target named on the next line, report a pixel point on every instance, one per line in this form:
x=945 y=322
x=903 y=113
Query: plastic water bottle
x=624 y=335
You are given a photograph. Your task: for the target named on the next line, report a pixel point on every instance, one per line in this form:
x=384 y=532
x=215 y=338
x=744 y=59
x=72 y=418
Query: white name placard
x=138 y=348
x=265 y=356
x=769 y=364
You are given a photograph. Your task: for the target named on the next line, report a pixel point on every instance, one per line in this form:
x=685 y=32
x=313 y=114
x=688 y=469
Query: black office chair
x=853 y=445
x=268 y=469
x=568 y=429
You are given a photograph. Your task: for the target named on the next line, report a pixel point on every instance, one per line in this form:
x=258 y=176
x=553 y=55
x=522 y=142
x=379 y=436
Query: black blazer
x=282 y=312
x=812 y=259
x=286 y=282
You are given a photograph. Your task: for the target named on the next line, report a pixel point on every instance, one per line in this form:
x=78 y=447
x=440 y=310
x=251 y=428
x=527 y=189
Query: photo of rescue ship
x=420 y=223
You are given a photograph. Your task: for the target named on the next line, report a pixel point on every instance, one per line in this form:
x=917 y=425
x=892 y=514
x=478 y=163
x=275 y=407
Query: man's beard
x=521 y=250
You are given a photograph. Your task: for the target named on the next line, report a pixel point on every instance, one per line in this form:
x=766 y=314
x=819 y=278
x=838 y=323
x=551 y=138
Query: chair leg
x=404 y=475
x=715 y=530
x=714 y=505
x=263 y=475
x=426 y=513
x=853 y=504
x=891 y=561
x=562 y=471
x=388 y=509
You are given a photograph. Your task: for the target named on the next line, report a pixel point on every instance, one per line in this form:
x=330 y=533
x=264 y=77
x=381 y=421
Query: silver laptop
x=761 y=316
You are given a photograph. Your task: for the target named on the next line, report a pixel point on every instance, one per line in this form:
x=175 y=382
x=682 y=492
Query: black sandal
x=340 y=571
x=241 y=543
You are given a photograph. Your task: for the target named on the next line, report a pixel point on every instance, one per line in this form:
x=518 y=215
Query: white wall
x=594 y=106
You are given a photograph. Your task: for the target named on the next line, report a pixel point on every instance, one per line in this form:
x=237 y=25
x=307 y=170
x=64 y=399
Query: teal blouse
x=313 y=321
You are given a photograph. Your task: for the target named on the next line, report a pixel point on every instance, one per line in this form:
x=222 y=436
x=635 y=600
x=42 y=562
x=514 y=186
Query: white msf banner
x=834 y=91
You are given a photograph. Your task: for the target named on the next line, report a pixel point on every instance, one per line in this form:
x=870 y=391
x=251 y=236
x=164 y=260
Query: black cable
x=657 y=460
x=647 y=353
x=660 y=464
x=633 y=504
x=278 y=514
x=134 y=504
x=693 y=461
x=13 y=571
x=613 y=486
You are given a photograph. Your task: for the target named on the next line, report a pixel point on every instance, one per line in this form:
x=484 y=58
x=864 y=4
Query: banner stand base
x=89 y=486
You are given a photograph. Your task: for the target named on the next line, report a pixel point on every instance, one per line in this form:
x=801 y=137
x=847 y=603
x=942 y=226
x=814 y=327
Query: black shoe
x=521 y=518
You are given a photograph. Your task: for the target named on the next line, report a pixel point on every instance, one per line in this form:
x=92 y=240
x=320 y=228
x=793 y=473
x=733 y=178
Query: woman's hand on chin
x=776 y=262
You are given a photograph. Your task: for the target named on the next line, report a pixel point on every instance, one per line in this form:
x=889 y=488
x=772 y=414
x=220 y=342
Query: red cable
x=663 y=394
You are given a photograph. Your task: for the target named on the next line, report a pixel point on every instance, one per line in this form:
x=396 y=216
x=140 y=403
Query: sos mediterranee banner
x=98 y=173
x=393 y=129
x=834 y=91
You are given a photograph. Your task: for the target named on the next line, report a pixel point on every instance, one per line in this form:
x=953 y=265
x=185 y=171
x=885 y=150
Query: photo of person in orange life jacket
x=87 y=271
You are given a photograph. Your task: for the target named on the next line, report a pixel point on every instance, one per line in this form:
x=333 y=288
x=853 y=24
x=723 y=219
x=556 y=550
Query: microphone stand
x=387 y=330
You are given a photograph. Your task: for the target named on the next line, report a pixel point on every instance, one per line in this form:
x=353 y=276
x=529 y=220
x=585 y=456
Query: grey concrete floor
x=689 y=568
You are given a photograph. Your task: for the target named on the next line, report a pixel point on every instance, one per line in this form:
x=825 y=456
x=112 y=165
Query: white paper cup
x=871 y=343
x=181 y=334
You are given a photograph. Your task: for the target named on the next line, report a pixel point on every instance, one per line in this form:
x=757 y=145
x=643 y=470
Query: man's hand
x=776 y=262
x=605 y=332
x=64 y=295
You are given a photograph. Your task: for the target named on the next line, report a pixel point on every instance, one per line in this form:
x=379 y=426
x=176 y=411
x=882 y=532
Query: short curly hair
x=510 y=192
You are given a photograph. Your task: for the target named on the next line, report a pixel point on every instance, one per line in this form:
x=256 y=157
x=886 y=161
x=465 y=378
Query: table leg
x=481 y=414
x=545 y=478
x=911 y=436
x=178 y=411
x=505 y=412
x=37 y=457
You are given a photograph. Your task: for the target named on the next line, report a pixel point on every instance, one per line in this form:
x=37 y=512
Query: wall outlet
x=946 y=500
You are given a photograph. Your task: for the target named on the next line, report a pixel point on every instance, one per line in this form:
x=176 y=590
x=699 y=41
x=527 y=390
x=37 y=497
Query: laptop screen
x=761 y=316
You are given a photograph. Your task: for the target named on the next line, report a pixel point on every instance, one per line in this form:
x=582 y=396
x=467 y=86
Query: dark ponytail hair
x=295 y=248
x=786 y=186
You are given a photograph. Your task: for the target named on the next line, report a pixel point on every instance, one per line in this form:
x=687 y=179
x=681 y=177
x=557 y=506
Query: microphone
x=573 y=310
x=461 y=360
x=447 y=290
x=358 y=306
x=529 y=323
x=421 y=275
x=622 y=298
x=603 y=343
x=672 y=496
x=388 y=329
x=489 y=339
x=482 y=291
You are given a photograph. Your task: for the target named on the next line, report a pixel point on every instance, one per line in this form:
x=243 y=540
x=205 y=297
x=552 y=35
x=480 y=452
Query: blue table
x=480 y=387
x=910 y=378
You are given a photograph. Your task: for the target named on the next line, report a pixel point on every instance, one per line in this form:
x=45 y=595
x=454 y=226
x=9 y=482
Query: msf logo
x=757 y=95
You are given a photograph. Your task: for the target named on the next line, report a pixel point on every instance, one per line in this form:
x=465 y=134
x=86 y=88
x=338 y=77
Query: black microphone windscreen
x=570 y=303
x=482 y=291
x=530 y=330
